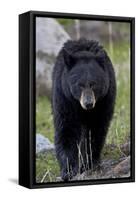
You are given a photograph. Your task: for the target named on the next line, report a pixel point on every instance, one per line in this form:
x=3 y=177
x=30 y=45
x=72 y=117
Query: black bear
x=83 y=98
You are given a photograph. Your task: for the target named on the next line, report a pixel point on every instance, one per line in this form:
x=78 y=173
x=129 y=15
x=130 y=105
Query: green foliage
x=65 y=22
x=47 y=168
x=120 y=54
x=44 y=119
x=120 y=127
x=119 y=130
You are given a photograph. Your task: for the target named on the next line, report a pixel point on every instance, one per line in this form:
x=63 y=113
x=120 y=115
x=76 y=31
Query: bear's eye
x=81 y=85
x=92 y=85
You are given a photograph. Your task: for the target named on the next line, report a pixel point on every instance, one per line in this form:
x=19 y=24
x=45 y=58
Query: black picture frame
x=27 y=99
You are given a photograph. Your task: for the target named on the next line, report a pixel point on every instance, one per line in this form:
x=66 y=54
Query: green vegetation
x=47 y=168
x=120 y=126
x=44 y=120
x=65 y=22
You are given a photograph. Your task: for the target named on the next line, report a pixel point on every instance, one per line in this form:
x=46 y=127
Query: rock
x=50 y=37
x=59 y=179
x=123 y=167
x=43 y=144
x=125 y=148
x=108 y=169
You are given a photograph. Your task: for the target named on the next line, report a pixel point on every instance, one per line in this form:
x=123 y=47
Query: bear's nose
x=89 y=105
x=88 y=102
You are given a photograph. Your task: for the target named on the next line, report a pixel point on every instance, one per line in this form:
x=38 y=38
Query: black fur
x=81 y=62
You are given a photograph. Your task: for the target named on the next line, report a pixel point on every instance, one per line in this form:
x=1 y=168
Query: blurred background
x=50 y=37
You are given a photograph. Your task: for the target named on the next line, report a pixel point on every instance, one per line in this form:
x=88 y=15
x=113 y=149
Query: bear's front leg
x=95 y=140
x=66 y=143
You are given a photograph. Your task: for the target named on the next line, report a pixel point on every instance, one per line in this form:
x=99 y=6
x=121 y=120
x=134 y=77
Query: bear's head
x=87 y=78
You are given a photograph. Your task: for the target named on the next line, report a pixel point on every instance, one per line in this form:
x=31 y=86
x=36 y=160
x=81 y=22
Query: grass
x=120 y=127
x=47 y=168
x=44 y=120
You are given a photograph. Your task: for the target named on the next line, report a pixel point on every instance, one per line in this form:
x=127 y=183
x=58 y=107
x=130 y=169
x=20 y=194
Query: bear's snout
x=87 y=99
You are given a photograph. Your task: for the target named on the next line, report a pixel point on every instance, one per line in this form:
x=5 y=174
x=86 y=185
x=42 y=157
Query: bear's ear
x=69 y=59
x=101 y=58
